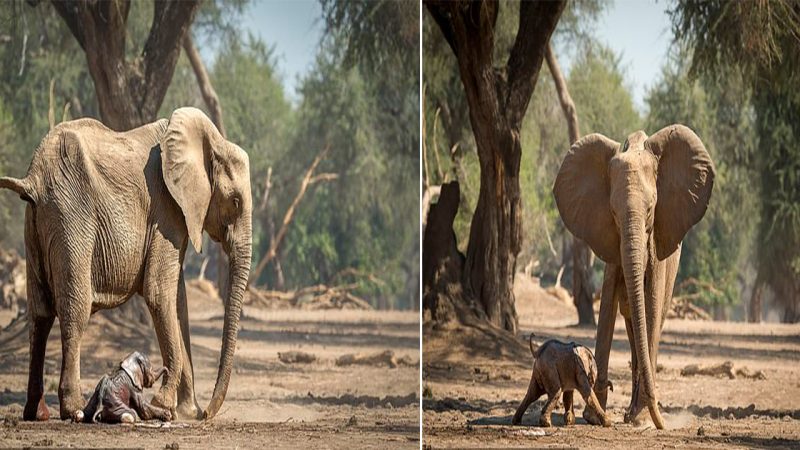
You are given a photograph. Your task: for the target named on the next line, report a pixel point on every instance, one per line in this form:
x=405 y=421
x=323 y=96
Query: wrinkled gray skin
x=633 y=203
x=110 y=215
x=561 y=368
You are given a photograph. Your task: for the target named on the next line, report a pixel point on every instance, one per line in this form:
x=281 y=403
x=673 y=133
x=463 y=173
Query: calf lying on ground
x=119 y=397
x=561 y=367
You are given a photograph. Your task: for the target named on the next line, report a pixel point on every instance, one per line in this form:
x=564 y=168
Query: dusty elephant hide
x=561 y=368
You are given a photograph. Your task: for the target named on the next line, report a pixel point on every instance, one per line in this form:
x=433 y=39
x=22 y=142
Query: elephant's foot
x=165 y=399
x=189 y=410
x=71 y=405
x=36 y=411
x=545 y=422
x=637 y=415
x=591 y=417
x=569 y=418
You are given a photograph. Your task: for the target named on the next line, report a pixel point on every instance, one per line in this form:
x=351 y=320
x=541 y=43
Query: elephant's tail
x=22 y=187
x=534 y=347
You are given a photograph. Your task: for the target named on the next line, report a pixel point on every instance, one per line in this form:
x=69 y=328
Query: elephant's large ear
x=134 y=370
x=685 y=178
x=187 y=150
x=582 y=190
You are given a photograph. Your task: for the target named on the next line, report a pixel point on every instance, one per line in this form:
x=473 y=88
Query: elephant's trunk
x=239 y=252
x=634 y=256
x=159 y=373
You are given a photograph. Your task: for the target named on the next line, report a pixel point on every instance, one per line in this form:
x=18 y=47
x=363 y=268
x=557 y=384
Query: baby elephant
x=118 y=396
x=560 y=367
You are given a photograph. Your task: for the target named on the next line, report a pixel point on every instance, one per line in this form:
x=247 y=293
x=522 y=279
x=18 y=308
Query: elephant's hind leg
x=533 y=394
x=73 y=313
x=35 y=406
x=569 y=411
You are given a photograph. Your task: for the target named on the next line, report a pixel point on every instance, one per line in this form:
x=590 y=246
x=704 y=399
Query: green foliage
x=760 y=41
x=751 y=36
x=717 y=250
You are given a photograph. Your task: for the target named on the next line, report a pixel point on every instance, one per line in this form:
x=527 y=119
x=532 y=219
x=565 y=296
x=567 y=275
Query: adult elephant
x=109 y=215
x=633 y=204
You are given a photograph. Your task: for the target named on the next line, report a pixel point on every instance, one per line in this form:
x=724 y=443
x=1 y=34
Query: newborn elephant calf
x=560 y=367
x=118 y=396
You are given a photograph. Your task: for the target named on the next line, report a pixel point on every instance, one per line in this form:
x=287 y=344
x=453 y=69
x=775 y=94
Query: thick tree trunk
x=442 y=263
x=495 y=237
x=582 y=286
x=129 y=93
x=497 y=99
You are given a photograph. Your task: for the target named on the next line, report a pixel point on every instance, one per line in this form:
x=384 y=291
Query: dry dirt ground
x=474 y=378
x=269 y=404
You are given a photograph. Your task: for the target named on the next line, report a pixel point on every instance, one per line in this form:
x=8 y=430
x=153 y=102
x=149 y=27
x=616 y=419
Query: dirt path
x=474 y=380
x=268 y=402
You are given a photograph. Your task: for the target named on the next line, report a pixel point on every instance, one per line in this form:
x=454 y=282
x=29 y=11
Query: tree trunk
x=497 y=99
x=755 y=309
x=495 y=236
x=582 y=286
x=129 y=93
x=442 y=263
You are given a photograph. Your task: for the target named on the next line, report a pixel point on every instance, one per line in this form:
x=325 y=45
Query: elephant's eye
x=236 y=203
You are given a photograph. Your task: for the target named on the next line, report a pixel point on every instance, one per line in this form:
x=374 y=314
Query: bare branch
x=567 y=105
x=436 y=148
x=287 y=218
x=51 y=113
x=267 y=188
x=204 y=82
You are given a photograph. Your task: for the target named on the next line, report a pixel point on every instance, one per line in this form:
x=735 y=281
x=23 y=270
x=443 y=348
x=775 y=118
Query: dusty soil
x=474 y=377
x=269 y=403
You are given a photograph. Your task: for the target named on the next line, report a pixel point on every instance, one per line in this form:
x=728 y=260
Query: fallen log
x=386 y=357
x=725 y=369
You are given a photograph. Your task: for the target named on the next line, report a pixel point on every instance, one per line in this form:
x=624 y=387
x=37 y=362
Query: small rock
x=294 y=357
x=172 y=446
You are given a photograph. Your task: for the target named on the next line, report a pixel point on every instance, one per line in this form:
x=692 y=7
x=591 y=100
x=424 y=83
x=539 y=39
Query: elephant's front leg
x=605 y=335
x=161 y=293
x=637 y=406
x=187 y=402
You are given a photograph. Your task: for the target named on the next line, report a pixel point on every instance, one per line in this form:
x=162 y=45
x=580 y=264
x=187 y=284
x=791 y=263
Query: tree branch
x=204 y=82
x=171 y=22
x=567 y=105
x=308 y=180
x=439 y=10
x=537 y=20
